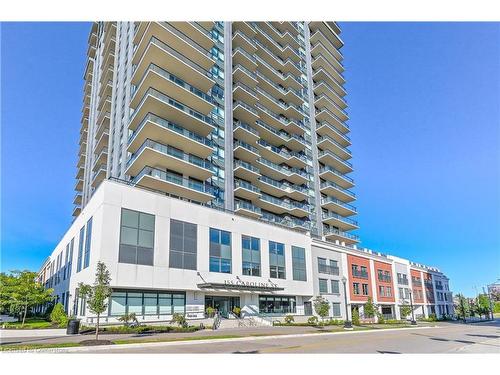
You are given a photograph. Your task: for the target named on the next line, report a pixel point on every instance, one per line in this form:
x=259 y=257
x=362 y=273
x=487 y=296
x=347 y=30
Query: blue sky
x=424 y=114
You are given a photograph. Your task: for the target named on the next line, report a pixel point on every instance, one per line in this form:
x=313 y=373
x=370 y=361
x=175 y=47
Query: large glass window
x=137 y=238
x=251 y=255
x=183 y=245
x=299 y=263
x=220 y=251
x=365 y=289
x=276 y=260
x=323 y=286
x=336 y=309
x=88 y=242
x=146 y=303
x=277 y=305
x=335 y=287
x=80 y=249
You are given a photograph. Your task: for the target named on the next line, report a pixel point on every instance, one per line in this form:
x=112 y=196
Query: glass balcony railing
x=360 y=274
x=170 y=126
x=332 y=215
x=246 y=185
x=285 y=170
x=245 y=53
x=279 y=58
x=175 y=179
x=282 y=119
x=246 y=146
x=174 y=152
x=178 y=81
x=328 y=168
x=338 y=202
x=244 y=125
x=166 y=99
x=281 y=133
x=246 y=106
x=331 y=154
x=326 y=184
x=244 y=164
x=245 y=88
x=384 y=278
x=336 y=232
x=335 y=130
x=248 y=72
x=283 y=185
x=242 y=205
x=322 y=138
x=290 y=205
x=323 y=109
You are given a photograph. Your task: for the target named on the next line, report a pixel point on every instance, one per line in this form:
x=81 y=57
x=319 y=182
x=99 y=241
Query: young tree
x=97 y=295
x=405 y=310
x=462 y=308
x=322 y=307
x=369 y=309
x=483 y=305
x=20 y=292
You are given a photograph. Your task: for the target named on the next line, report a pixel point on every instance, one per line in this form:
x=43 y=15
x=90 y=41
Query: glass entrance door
x=223 y=304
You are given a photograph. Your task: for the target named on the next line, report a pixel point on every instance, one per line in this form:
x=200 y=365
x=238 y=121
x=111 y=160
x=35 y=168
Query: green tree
x=462 y=308
x=496 y=307
x=98 y=294
x=322 y=307
x=483 y=305
x=369 y=309
x=355 y=316
x=58 y=315
x=405 y=310
x=19 y=292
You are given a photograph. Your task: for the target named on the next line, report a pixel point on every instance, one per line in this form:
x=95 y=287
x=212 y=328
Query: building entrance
x=223 y=304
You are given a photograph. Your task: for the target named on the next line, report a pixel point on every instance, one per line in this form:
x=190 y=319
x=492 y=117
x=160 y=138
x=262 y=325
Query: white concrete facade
x=105 y=210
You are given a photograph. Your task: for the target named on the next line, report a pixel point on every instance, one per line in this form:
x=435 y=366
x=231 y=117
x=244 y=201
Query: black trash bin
x=73 y=327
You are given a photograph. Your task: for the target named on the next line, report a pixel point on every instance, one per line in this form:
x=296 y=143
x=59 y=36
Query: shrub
x=335 y=322
x=237 y=310
x=355 y=317
x=289 y=319
x=210 y=311
x=58 y=315
x=129 y=320
x=496 y=307
x=180 y=319
x=313 y=320
x=394 y=321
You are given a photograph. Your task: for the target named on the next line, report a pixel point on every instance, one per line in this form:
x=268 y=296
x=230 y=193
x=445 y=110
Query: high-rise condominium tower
x=244 y=116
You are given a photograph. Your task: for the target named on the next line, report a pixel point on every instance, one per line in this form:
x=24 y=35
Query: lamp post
x=413 y=321
x=347 y=323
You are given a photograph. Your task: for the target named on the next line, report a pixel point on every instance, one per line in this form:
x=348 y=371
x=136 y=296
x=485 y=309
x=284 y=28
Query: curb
x=84 y=349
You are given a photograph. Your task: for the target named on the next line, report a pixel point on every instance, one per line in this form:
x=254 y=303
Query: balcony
x=162 y=55
x=280 y=121
x=246 y=170
x=325 y=115
x=245 y=132
x=158 y=129
x=196 y=32
x=247 y=209
x=282 y=37
x=105 y=104
x=402 y=281
x=284 y=51
x=78 y=199
x=324 y=101
x=168 y=157
x=76 y=211
x=326 y=142
x=244 y=112
x=280 y=137
x=335 y=58
x=242 y=74
x=321 y=62
x=333 y=234
x=244 y=151
x=99 y=175
x=322 y=75
x=331 y=188
x=283 y=65
x=79 y=173
x=279 y=91
x=279 y=189
x=243 y=93
x=101 y=142
x=243 y=41
x=343 y=223
x=325 y=129
x=279 y=105
x=359 y=274
x=332 y=43
x=280 y=155
x=384 y=278
x=329 y=158
x=242 y=57
x=164 y=81
x=280 y=206
x=81 y=161
x=245 y=27
x=100 y=159
x=174 y=184
x=106 y=89
x=279 y=172
x=328 y=269
x=171 y=110
x=288 y=80
x=246 y=190
x=338 y=206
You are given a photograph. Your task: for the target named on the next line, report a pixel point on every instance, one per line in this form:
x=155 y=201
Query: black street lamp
x=413 y=321
x=347 y=323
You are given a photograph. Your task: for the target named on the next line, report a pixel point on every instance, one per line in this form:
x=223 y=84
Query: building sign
x=253 y=284
x=242 y=285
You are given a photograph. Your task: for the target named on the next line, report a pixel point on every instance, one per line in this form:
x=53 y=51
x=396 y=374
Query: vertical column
x=314 y=141
x=228 y=118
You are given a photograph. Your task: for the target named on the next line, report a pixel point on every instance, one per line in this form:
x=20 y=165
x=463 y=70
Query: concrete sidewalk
x=17 y=333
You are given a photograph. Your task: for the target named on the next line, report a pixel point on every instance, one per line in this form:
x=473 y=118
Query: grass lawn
x=6 y=348
x=30 y=324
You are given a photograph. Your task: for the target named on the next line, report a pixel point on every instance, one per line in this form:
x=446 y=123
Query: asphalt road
x=446 y=338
